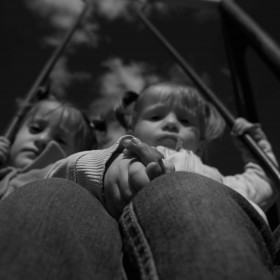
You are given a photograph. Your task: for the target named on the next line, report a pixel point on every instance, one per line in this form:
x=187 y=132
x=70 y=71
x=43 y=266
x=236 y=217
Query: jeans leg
x=54 y=229
x=186 y=226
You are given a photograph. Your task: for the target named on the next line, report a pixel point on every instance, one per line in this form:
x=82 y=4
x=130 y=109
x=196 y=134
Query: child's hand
x=149 y=156
x=128 y=173
x=4 y=149
x=242 y=126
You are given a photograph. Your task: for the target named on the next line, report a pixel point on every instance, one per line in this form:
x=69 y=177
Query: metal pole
x=236 y=46
x=260 y=41
x=44 y=74
x=268 y=165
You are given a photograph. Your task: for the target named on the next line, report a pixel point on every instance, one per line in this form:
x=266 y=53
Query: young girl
x=180 y=123
x=50 y=131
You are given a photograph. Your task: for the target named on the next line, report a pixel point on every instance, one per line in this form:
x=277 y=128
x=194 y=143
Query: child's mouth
x=31 y=153
x=171 y=142
x=168 y=141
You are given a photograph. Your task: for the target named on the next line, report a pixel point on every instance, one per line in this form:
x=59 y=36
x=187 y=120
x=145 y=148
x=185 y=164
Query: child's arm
x=254 y=183
x=123 y=175
x=4 y=149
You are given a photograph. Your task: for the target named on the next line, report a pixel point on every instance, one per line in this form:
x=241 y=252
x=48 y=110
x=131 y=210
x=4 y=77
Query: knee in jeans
x=192 y=182
x=45 y=189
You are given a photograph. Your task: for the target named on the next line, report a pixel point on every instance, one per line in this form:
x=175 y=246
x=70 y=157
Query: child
x=50 y=131
x=180 y=123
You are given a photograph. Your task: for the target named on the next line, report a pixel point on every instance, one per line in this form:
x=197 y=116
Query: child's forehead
x=50 y=105
x=53 y=114
x=48 y=110
x=45 y=106
x=164 y=99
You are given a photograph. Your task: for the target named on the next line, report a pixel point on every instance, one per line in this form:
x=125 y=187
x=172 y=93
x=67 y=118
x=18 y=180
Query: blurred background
x=113 y=52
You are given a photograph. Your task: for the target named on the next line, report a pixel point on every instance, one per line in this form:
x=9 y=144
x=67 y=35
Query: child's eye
x=61 y=141
x=34 y=128
x=154 y=118
x=185 y=122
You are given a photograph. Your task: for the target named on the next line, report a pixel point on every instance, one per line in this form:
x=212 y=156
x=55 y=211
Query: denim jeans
x=180 y=226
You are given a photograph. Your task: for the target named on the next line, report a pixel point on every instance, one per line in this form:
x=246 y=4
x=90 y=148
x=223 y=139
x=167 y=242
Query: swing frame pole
x=262 y=158
x=43 y=75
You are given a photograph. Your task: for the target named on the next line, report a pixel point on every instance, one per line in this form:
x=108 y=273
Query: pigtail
x=44 y=91
x=214 y=125
x=100 y=127
x=99 y=124
x=123 y=109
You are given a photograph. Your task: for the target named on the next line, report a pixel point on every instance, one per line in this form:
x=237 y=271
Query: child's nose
x=42 y=140
x=171 y=123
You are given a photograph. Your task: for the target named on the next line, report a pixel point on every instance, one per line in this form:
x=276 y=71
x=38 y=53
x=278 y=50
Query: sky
x=113 y=52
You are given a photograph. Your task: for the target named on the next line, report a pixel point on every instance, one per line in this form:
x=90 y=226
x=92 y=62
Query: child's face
x=36 y=132
x=166 y=123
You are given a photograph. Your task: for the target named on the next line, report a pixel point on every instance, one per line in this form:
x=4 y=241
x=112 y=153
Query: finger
x=3 y=154
x=129 y=153
x=239 y=125
x=169 y=166
x=126 y=192
x=145 y=152
x=236 y=128
x=242 y=126
x=3 y=150
x=114 y=202
x=4 y=139
x=3 y=158
x=134 y=144
x=154 y=170
x=138 y=177
x=5 y=142
x=5 y=146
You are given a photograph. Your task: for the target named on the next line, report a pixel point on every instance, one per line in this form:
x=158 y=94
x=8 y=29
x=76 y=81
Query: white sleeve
x=86 y=168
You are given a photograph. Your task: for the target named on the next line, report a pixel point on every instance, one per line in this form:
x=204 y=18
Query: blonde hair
x=67 y=115
x=211 y=124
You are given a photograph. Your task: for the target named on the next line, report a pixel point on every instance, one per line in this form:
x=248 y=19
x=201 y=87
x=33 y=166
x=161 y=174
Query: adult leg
x=186 y=226
x=54 y=229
